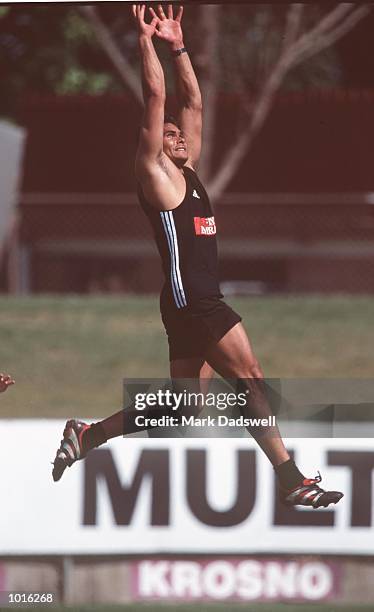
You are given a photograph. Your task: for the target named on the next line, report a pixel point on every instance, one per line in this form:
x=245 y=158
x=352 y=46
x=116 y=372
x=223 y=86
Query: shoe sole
x=326 y=505
x=59 y=468
x=59 y=465
x=333 y=501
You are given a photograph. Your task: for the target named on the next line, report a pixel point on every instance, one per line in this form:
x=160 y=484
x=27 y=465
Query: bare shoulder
x=162 y=183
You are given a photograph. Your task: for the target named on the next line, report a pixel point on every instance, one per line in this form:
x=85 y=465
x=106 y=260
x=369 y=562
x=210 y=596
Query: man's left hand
x=168 y=27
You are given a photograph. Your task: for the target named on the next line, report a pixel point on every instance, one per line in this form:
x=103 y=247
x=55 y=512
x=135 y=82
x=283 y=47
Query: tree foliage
x=252 y=51
x=53 y=49
x=50 y=49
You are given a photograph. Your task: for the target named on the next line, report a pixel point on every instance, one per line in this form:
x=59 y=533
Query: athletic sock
x=289 y=474
x=93 y=437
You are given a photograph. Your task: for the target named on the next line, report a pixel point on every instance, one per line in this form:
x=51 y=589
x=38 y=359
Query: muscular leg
x=232 y=357
x=194 y=369
x=79 y=438
x=194 y=373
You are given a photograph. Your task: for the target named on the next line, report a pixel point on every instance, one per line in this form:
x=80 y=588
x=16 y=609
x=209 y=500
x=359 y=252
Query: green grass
x=69 y=355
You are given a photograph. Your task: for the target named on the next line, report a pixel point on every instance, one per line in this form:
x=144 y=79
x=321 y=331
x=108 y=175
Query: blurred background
x=288 y=138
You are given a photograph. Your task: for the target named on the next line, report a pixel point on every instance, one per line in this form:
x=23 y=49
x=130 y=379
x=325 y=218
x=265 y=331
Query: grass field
x=69 y=355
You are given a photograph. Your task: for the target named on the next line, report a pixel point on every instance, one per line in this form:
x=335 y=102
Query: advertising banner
x=182 y=496
x=236 y=580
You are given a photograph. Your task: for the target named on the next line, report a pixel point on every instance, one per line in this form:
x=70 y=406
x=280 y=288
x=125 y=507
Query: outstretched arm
x=153 y=82
x=188 y=91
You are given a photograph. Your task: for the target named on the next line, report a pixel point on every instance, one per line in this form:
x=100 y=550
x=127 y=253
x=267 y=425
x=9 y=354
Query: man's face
x=175 y=146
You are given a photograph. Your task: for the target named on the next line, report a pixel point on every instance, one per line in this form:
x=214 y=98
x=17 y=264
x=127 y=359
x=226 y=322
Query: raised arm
x=188 y=91
x=153 y=81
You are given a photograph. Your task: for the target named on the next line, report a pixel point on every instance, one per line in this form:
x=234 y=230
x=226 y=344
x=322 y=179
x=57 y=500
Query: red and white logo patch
x=205 y=226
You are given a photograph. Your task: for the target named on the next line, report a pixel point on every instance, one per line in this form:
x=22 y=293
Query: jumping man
x=204 y=333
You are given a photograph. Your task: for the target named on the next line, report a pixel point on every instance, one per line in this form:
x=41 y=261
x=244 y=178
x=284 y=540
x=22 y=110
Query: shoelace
x=316 y=480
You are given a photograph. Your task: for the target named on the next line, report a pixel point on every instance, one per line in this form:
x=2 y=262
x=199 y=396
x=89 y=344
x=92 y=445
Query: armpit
x=163 y=165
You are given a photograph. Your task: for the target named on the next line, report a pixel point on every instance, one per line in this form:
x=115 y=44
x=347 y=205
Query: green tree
x=253 y=50
x=50 y=49
x=250 y=50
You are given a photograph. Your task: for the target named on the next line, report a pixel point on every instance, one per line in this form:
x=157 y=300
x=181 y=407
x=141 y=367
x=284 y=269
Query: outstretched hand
x=168 y=27
x=145 y=29
x=5 y=382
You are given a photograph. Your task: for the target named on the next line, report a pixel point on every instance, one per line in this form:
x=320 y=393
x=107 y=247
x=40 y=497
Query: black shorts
x=193 y=329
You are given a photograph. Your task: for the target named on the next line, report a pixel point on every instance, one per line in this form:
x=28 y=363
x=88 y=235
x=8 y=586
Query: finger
x=170 y=11
x=156 y=18
x=179 y=14
x=134 y=10
x=161 y=12
x=140 y=11
x=152 y=11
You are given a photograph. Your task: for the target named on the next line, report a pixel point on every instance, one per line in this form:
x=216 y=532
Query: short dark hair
x=170 y=119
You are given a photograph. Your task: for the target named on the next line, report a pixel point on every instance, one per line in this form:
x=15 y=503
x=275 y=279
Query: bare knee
x=251 y=370
x=256 y=370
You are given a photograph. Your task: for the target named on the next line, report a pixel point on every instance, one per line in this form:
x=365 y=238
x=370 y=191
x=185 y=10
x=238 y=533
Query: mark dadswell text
x=191 y=421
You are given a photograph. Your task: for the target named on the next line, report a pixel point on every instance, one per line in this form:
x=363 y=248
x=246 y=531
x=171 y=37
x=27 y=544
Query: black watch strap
x=179 y=52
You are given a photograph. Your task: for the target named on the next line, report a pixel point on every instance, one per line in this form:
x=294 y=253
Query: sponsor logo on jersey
x=205 y=226
x=195 y=194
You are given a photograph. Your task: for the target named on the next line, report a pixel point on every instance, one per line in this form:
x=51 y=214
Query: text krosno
x=176 y=401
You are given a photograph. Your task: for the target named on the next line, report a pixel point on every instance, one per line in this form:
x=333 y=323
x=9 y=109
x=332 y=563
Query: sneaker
x=308 y=493
x=70 y=449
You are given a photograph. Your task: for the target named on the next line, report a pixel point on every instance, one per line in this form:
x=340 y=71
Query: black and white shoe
x=71 y=447
x=308 y=493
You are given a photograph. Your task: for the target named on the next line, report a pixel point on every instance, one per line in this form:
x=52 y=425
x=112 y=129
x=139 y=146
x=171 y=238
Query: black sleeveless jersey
x=186 y=241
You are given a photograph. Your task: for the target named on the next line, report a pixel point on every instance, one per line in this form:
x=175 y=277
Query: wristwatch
x=179 y=51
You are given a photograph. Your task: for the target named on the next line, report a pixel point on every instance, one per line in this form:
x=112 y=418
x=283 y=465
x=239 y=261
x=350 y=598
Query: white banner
x=138 y=495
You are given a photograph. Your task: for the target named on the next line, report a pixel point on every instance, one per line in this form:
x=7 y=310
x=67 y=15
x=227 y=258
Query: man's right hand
x=144 y=29
x=5 y=382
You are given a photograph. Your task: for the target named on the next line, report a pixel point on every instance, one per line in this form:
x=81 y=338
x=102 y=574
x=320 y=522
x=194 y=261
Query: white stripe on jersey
x=181 y=289
x=172 y=272
x=175 y=276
